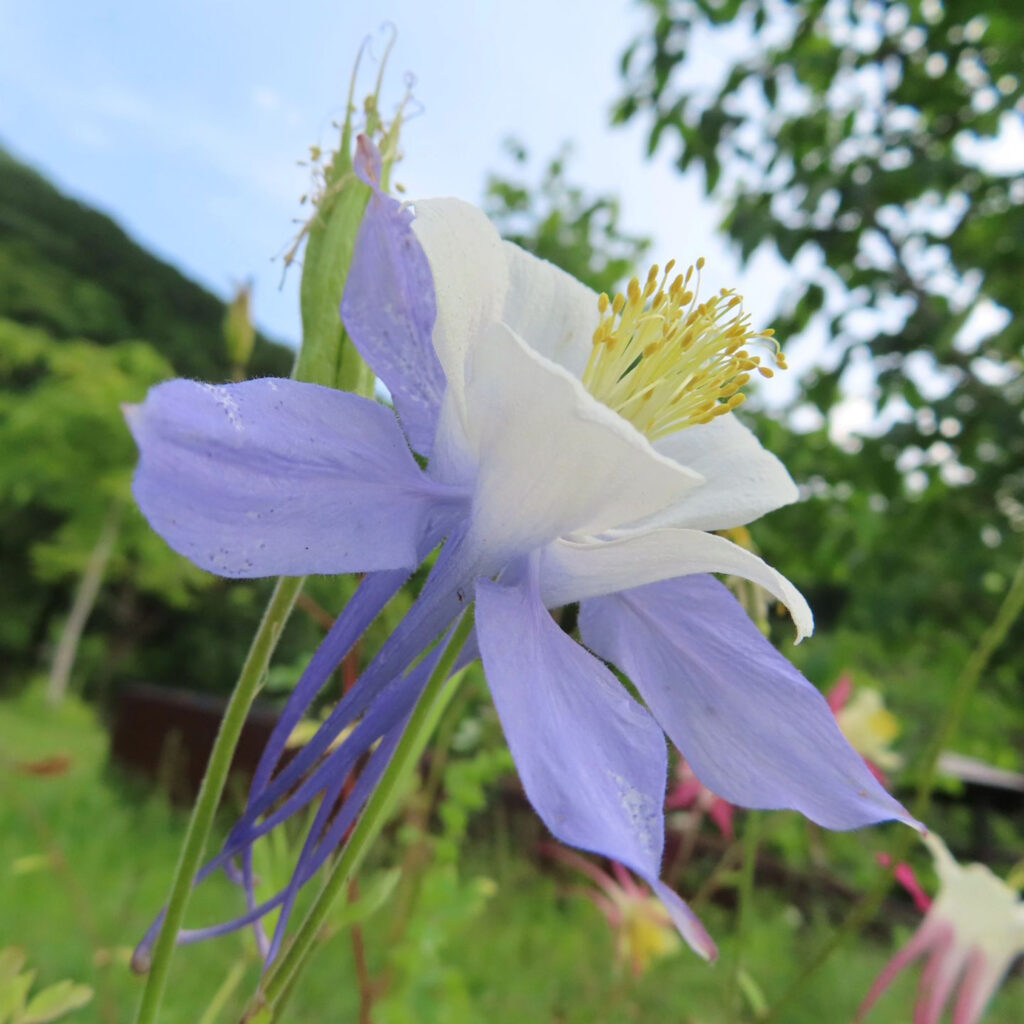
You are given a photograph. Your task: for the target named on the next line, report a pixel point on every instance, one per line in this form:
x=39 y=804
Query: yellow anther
x=666 y=362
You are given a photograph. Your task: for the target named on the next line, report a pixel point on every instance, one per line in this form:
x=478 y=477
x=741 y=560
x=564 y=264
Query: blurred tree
x=239 y=333
x=73 y=286
x=559 y=222
x=67 y=468
x=870 y=145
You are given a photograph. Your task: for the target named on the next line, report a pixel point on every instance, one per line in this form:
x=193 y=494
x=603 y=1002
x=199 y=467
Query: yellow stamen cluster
x=665 y=361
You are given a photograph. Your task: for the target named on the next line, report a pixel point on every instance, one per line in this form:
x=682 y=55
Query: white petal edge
x=577 y=569
x=744 y=480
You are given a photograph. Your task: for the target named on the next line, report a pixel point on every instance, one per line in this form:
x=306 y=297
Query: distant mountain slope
x=71 y=270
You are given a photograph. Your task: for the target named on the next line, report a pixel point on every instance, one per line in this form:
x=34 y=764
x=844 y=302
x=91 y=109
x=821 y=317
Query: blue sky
x=185 y=120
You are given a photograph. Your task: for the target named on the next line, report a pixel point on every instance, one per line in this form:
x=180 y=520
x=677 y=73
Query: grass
x=85 y=860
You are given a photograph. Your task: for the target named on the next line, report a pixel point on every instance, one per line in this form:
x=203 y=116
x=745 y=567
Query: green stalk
x=439 y=691
x=991 y=640
x=745 y=898
x=286 y=590
x=224 y=993
x=970 y=675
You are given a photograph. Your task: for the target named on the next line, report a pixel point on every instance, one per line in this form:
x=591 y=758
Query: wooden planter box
x=165 y=736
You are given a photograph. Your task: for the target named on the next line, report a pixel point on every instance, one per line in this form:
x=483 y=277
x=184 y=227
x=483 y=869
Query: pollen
x=665 y=361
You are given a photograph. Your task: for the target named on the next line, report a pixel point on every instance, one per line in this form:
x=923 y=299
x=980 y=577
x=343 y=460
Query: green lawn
x=86 y=860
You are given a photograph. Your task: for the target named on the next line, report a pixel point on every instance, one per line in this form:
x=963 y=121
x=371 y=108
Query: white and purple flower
x=972 y=933
x=576 y=450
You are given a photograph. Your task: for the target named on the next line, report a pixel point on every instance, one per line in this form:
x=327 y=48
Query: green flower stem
x=439 y=691
x=991 y=640
x=970 y=675
x=225 y=992
x=745 y=895
x=286 y=590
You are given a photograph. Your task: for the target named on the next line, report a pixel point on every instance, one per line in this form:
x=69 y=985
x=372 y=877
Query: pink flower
x=869 y=726
x=644 y=931
x=689 y=793
x=971 y=933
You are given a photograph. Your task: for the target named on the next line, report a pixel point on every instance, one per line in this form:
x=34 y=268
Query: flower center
x=665 y=361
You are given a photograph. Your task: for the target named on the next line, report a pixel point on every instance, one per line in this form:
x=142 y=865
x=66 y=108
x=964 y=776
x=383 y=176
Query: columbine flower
x=578 y=450
x=972 y=933
x=868 y=724
x=644 y=931
x=690 y=794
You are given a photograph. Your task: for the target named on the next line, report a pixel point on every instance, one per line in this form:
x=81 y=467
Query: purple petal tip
x=142 y=958
x=368 y=162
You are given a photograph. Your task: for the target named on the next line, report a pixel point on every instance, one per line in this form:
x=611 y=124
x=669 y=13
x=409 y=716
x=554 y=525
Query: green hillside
x=88 y=321
x=72 y=271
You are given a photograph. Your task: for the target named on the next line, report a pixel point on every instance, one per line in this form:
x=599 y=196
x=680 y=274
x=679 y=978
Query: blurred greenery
x=843 y=140
x=558 y=221
x=494 y=937
x=855 y=142
x=75 y=295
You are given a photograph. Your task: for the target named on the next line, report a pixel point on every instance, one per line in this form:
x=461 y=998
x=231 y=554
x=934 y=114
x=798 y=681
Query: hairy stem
x=745 y=895
x=282 y=600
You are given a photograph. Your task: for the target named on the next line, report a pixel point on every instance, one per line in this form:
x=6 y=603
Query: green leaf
x=12 y=959
x=332 y=239
x=752 y=993
x=13 y=992
x=56 y=1001
x=373 y=894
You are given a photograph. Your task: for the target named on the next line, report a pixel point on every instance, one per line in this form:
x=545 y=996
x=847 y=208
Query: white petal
x=744 y=481
x=576 y=570
x=467 y=263
x=555 y=314
x=550 y=458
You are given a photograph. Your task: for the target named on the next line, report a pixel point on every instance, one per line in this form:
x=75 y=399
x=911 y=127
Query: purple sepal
x=592 y=761
x=389 y=309
x=753 y=729
x=275 y=477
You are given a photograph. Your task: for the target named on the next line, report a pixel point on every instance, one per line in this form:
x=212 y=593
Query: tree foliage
x=559 y=222
x=864 y=143
x=74 y=293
